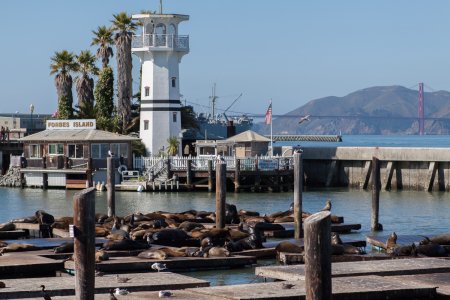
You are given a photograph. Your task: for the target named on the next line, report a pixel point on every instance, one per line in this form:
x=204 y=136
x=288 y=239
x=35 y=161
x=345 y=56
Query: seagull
x=287 y=286
x=122 y=279
x=111 y=295
x=110 y=154
x=159 y=267
x=303 y=119
x=45 y=294
x=327 y=206
x=119 y=291
x=163 y=294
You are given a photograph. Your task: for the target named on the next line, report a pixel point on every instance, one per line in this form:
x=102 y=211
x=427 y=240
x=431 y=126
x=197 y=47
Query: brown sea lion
x=124 y=245
x=238 y=235
x=3 y=244
x=100 y=218
x=284 y=219
x=188 y=226
x=428 y=248
x=198 y=233
x=286 y=246
x=101 y=255
x=169 y=237
x=19 y=248
x=174 y=252
x=44 y=217
x=442 y=239
x=409 y=250
x=9 y=226
x=101 y=231
x=218 y=252
x=31 y=219
x=67 y=247
x=115 y=237
x=248 y=213
x=391 y=243
x=153 y=254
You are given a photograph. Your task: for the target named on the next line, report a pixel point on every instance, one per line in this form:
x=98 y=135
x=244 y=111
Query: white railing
x=173 y=41
x=180 y=163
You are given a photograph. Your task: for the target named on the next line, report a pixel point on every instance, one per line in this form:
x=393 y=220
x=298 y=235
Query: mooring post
x=318 y=256
x=210 y=176
x=237 y=173
x=298 y=190
x=89 y=173
x=221 y=190
x=84 y=243
x=44 y=174
x=189 y=174
x=376 y=185
x=169 y=171
x=110 y=186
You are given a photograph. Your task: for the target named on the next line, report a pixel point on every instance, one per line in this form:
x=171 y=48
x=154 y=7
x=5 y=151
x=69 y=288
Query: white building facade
x=160 y=49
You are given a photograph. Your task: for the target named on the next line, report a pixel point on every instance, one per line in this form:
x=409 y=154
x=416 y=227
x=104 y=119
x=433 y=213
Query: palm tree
x=124 y=27
x=172 y=148
x=103 y=39
x=63 y=63
x=85 y=84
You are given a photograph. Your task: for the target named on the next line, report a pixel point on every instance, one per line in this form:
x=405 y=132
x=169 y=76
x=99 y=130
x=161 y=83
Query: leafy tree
x=85 y=84
x=124 y=27
x=104 y=96
x=188 y=118
x=172 y=148
x=63 y=63
x=103 y=39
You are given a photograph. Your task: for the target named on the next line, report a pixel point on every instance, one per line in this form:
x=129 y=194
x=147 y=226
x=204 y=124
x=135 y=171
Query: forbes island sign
x=71 y=124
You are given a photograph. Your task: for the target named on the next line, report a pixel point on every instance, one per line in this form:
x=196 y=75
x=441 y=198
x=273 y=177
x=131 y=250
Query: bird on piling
x=159 y=267
x=327 y=206
x=45 y=294
x=119 y=291
x=122 y=279
x=111 y=295
x=164 y=294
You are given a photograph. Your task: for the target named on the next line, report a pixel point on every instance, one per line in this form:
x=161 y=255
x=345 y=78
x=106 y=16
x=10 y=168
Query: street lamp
x=31 y=117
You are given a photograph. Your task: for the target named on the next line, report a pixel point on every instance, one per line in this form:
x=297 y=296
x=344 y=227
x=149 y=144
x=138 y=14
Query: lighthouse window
x=174 y=117
x=147 y=91
x=146 y=125
x=174 y=81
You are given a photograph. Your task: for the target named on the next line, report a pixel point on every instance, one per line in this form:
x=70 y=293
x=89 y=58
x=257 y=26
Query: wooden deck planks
x=300 y=242
x=133 y=264
x=440 y=280
x=27 y=264
x=393 y=267
x=298 y=258
x=63 y=286
x=349 y=288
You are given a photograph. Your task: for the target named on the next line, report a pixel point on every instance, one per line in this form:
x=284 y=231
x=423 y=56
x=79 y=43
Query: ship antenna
x=160 y=7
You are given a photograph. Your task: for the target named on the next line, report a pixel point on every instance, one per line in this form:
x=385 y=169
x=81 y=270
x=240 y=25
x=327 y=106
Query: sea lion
x=174 y=252
x=286 y=246
x=3 y=244
x=408 y=250
x=231 y=214
x=192 y=251
x=101 y=231
x=284 y=219
x=248 y=213
x=217 y=252
x=327 y=206
x=391 y=243
x=115 y=237
x=153 y=254
x=346 y=248
x=442 y=239
x=169 y=237
x=117 y=230
x=31 y=219
x=2 y=285
x=100 y=218
x=124 y=245
x=101 y=255
x=428 y=248
x=66 y=247
x=44 y=218
x=9 y=226
x=188 y=226
x=238 y=235
x=19 y=248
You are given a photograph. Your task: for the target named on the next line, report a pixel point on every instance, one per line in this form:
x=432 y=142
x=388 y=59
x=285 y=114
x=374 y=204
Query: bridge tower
x=160 y=49
x=421 y=110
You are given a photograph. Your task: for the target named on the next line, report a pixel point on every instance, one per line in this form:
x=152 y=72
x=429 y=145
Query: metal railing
x=172 y=41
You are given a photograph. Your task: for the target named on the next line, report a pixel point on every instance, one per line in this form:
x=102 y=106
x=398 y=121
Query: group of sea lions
x=436 y=246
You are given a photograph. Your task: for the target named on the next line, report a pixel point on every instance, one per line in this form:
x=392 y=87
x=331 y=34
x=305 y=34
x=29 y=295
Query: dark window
x=174 y=81
x=145 y=124
x=147 y=91
x=174 y=117
x=75 y=151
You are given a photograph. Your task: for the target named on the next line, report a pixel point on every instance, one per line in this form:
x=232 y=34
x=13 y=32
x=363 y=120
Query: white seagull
x=159 y=267
x=110 y=154
x=303 y=119
x=164 y=294
x=119 y=291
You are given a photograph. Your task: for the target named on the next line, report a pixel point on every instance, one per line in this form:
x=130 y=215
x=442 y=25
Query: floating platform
x=287 y=258
x=64 y=286
x=135 y=264
x=440 y=280
x=13 y=234
x=301 y=243
x=27 y=264
x=407 y=266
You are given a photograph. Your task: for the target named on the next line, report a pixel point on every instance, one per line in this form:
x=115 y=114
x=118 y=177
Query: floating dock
x=402 y=240
x=289 y=230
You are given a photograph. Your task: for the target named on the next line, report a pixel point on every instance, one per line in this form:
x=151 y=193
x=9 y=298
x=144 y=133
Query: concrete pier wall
x=401 y=168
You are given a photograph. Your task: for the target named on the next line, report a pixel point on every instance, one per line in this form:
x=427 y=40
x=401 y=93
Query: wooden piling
x=110 y=186
x=298 y=190
x=210 y=176
x=89 y=182
x=318 y=256
x=376 y=185
x=237 y=173
x=189 y=174
x=221 y=188
x=169 y=171
x=84 y=243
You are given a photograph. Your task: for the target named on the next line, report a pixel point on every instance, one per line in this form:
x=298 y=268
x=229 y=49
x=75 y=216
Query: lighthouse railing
x=171 y=41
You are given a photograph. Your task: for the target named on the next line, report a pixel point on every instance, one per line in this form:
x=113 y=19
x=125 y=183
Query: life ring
x=122 y=168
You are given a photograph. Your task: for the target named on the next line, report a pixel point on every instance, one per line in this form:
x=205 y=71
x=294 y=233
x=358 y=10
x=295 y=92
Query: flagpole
x=271 y=132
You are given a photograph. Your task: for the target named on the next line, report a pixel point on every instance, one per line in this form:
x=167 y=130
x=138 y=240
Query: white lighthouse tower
x=160 y=49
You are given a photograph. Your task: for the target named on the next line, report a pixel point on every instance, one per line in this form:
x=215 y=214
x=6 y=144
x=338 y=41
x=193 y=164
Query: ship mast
x=213 y=98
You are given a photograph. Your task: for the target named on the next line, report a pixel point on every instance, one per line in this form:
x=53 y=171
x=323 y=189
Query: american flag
x=269 y=114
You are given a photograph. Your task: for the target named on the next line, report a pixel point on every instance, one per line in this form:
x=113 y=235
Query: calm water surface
x=406 y=212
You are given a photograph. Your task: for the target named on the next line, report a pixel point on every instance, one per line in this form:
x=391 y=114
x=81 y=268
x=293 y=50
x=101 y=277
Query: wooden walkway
x=27 y=264
x=63 y=286
x=348 y=288
x=407 y=266
x=402 y=240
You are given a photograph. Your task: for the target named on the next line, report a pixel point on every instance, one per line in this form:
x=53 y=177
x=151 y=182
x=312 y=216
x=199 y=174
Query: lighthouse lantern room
x=160 y=49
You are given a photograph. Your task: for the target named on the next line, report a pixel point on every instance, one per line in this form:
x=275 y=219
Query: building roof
x=88 y=135
x=248 y=136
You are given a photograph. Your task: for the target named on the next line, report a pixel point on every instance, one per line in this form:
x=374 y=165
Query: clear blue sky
x=291 y=51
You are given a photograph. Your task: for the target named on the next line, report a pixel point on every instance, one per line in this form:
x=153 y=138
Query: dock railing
x=199 y=163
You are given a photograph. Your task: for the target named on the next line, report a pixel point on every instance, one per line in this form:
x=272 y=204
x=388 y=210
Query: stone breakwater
x=11 y=178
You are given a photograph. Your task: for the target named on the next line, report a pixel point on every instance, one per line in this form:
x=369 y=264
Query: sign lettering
x=71 y=124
